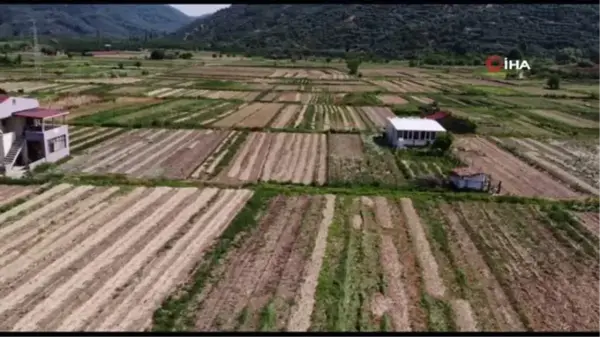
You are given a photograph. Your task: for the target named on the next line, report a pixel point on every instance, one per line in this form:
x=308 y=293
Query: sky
x=197 y=10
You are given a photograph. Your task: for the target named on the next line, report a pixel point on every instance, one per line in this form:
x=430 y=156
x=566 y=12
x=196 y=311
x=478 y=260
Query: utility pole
x=36 y=51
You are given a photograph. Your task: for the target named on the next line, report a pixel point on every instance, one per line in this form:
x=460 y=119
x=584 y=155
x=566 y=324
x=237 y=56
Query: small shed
x=411 y=131
x=470 y=178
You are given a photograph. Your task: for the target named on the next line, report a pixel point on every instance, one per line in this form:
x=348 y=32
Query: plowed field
x=103 y=258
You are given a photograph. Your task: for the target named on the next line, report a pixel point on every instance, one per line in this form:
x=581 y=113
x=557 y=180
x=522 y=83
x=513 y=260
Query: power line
x=36 y=51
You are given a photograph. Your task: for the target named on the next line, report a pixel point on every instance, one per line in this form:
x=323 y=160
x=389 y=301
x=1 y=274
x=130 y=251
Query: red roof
x=105 y=52
x=437 y=115
x=3 y=98
x=466 y=171
x=40 y=113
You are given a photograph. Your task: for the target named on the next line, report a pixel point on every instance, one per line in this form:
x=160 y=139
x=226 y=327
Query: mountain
x=394 y=30
x=89 y=20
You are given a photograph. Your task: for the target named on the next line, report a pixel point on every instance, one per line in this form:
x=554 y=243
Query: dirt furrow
x=431 y=276
x=245 y=265
x=300 y=117
x=149 y=162
x=392 y=268
x=242 y=155
x=208 y=166
x=301 y=313
x=123 y=152
x=51 y=305
x=273 y=156
x=286 y=154
x=136 y=158
x=463 y=313
x=15 y=194
x=262 y=282
x=263 y=141
x=302 y=165
x=53 y=245
x=100 y=301
x=11 y=231
x=70 y=215
x=502 y=310
x=285 y=116
x=294 y=160
x=268 y=275
x=14 y=296
x=309 y=172
x=135 y=311
x=322 y=170
x=31 y=203
x=100 y=135
x=358 y=123
x=112 y=147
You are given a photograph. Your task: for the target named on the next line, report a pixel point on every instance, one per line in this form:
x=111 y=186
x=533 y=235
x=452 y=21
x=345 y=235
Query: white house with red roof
x=30 y=135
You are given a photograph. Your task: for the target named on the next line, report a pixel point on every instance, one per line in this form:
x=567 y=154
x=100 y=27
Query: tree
x=3 y=92
x=514 y=54
x=121 y=65
x=18 y=59
x=138 y=64
x=442 y=142
x=328 y=60
x=412 y=63
x=352 y=65
x=553 y=82
x=157 y=54
x=186 y=56
x=214 y=56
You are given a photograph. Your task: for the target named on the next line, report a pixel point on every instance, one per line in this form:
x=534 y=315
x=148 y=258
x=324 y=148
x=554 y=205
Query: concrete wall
x=51 y=134
x=7 y=141
x=15 y=104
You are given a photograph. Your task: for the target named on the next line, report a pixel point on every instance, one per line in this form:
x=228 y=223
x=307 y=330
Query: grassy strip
x=107 y=115
x=560 y=221
x=440 y=314
x=438 y=235
x=81 y=148
x=589 y=204
x=173 y=315
x=232 y=149
x=330 y=292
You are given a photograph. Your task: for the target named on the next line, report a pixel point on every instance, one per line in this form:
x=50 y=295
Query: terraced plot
x=253 y=115
x=344 y=263
x=357 y=160
x=104 y=258
x=517 y=177
x=183 y=112
x=281 y=157
x=573 y=162
x=153 y=153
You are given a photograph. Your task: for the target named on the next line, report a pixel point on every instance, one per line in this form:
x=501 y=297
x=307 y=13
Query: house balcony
x=47 y=131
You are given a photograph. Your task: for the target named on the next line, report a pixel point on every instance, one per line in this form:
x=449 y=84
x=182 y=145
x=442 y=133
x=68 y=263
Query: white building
x=30 y=135
x=469 y=178
x=413 y=131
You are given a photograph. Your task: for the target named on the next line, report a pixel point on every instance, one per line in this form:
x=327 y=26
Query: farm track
x=84 y=272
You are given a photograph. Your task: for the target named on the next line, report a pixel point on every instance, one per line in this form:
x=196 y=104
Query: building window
x=57 y=143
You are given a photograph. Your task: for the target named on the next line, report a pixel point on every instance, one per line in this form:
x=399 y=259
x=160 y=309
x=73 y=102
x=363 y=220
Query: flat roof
x=40 y=113
x=415 y=124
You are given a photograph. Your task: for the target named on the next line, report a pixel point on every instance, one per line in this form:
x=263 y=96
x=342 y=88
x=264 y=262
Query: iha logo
x=496 y=63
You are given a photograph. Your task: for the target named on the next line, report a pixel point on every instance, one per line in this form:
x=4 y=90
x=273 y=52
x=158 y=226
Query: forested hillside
x=393 y=31
x=119 y=21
